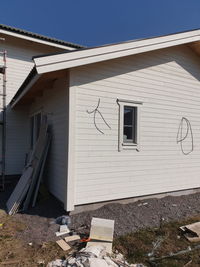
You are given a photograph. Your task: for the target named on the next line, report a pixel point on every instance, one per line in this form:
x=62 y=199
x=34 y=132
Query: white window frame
x=121 y=144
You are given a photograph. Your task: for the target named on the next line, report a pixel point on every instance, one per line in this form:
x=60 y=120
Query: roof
x=103 y=53
x=24 y=33
x=87 y=56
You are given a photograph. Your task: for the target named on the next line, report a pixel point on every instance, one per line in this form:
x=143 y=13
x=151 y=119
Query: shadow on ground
x=48 y=206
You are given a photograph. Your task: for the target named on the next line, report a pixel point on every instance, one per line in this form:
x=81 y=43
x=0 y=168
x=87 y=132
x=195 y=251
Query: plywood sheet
x=19 y=191
x=102 y=229
x=61 y=243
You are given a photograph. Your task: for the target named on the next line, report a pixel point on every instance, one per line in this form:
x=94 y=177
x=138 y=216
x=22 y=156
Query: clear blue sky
x=98 y=22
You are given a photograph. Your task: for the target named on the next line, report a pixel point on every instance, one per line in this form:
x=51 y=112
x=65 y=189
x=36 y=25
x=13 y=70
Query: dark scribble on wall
x=95 y=112
x=185 y=135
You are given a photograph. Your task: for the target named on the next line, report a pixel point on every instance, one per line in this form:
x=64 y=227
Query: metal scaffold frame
x=3 y=121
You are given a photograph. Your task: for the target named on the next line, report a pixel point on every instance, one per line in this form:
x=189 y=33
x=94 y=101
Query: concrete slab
x=102 y=229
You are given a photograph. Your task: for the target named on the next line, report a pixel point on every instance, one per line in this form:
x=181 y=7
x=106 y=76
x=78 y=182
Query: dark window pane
x=128 y=133
x=128 y=116
x=130 y=124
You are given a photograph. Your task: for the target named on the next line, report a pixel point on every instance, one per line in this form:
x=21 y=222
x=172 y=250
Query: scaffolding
x=3 y=67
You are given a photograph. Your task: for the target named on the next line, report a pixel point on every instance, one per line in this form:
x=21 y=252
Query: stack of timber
x=26 y=190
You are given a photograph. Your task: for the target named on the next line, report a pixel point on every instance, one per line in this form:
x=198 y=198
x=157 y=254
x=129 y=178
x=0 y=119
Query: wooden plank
x=62 y=244
x=41 y=171
x=72 y=238
x=19 y=190
x=36 y=162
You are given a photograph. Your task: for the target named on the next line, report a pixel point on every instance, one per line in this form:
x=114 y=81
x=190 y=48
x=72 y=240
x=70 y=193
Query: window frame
x=128 y=145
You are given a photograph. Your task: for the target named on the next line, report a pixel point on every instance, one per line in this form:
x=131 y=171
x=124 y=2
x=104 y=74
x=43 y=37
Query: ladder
x=3 y=67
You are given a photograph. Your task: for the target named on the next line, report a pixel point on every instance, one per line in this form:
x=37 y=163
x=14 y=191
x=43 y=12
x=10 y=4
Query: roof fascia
x=93 y=55
x=28 y=38
x=14 y=101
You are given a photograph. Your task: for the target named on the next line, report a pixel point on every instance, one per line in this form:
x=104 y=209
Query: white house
x=125 y=118
x=21 y=46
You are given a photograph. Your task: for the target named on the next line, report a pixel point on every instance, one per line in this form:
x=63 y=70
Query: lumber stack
x=26 y=190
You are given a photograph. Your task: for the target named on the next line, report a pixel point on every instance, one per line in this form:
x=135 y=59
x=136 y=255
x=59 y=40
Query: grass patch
x=169 y=239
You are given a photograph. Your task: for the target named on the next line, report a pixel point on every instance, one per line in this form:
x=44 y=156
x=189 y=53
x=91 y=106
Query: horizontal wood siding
x=168 y=83
x=53 y=103
x=19 y=64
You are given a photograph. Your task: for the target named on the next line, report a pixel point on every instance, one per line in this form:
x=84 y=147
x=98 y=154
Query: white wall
x=19 y=64
x=167 y=82
x=53 y=103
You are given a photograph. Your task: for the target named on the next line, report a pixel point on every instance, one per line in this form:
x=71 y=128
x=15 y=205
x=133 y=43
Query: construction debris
x=94 y=256
x=185 y=251
x=62 y=220
x=62 y=233
x=61 y=243
x=72 y=238
x=192 y=232
x=64 y=228
x=101 y=233
x=28 y=185
x=156 y=245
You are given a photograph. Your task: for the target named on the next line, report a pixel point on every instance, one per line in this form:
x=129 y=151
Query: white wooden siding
x=19 y=64
x=167 y=82
x=53 y=103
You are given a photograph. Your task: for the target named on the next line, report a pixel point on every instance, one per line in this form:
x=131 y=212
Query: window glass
x=130 y=124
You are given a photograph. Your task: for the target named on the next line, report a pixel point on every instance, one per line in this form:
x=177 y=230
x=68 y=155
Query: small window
x=129 y=124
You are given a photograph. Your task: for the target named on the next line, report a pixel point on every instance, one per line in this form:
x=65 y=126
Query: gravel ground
x=128 y=217
x=149 y=213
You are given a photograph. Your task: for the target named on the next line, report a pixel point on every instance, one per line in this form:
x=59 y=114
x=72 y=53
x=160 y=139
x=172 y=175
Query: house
x=21 y=46
x=125 y=118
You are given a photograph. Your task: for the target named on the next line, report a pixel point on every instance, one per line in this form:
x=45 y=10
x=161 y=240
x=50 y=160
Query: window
x=35 y=122
x=128 y=124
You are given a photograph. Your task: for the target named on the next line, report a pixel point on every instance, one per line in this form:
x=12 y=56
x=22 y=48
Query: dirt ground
x=36 y=226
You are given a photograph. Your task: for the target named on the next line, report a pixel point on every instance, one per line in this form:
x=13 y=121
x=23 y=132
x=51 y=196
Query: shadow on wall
x=182 y=55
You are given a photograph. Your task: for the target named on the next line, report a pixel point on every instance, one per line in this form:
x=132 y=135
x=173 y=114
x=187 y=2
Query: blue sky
x=98 y=22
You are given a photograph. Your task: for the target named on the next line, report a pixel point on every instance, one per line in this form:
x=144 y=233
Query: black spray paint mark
x=187 y=136
x=95 y=111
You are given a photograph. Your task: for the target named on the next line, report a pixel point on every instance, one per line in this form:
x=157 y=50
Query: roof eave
x=17 y=35
x=94 y=55
x=27 y=84
x=99 y=54
x=23 y=34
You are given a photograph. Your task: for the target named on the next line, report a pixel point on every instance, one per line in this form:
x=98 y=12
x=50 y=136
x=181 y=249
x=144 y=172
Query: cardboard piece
x=62 y=244
x=192 y=232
